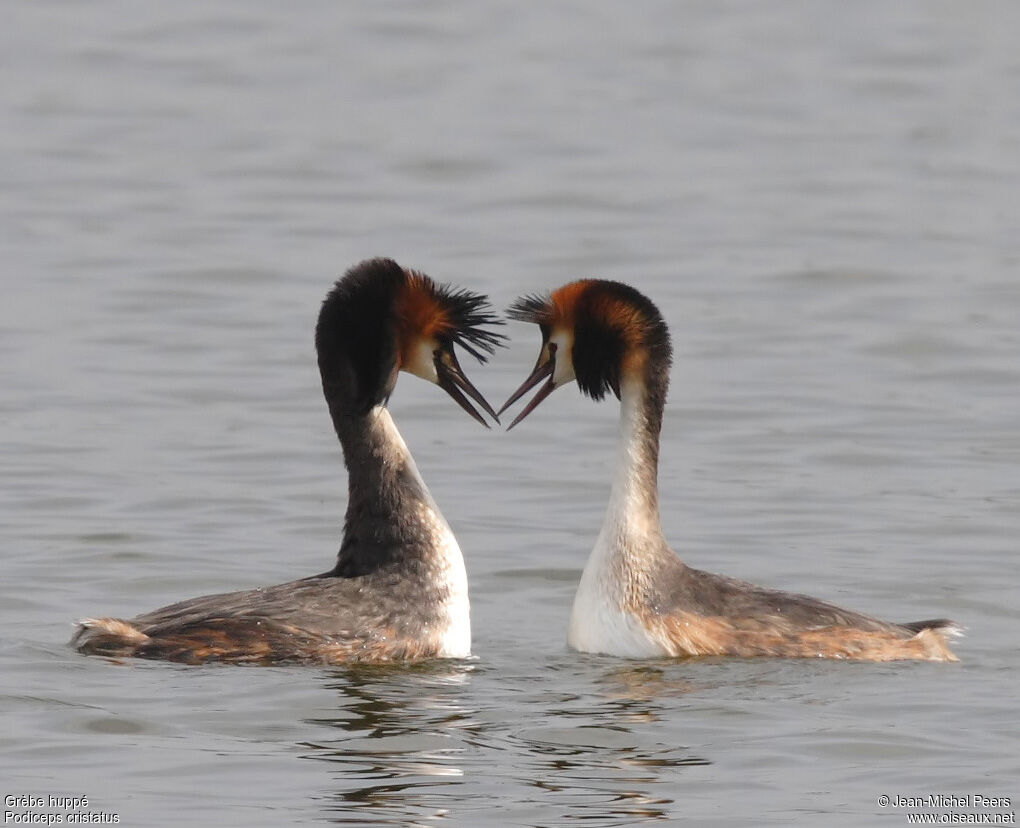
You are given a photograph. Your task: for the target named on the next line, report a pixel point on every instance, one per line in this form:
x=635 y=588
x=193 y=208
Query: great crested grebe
x=399 y=589
x=636 y=597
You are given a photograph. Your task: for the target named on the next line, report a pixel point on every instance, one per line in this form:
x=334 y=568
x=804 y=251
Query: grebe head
x=381 y=318
x=595 y=332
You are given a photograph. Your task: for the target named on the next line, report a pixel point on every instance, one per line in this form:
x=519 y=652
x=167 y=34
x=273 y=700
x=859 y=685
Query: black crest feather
x=535 y=308
x=608 y=318
x=470 y=317
x=356 y=335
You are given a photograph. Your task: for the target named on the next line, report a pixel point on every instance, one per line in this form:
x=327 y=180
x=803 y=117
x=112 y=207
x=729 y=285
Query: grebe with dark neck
x=399 y=589
x=636 y=597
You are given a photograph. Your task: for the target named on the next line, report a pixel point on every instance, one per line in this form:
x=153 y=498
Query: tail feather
x=108 y=636
x=943 y=626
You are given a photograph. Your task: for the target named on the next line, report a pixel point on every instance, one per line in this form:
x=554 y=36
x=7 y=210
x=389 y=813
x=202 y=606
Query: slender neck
x=379 y=465
x=391 y=515
x=633 y=512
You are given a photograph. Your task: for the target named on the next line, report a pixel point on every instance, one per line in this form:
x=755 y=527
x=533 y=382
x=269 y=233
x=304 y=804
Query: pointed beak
x=451 y=379
x=544 y=368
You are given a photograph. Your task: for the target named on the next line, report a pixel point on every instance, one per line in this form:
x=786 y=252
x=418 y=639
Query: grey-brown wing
x=752 y=607
x=325 y=606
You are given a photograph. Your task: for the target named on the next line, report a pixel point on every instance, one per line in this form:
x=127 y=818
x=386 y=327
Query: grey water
x=821 y=198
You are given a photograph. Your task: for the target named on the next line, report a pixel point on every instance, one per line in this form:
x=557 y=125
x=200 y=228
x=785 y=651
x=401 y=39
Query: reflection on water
x=401 y=741
x=821 y=200
x=407 y=742
x=600 y=754
x=643 y=682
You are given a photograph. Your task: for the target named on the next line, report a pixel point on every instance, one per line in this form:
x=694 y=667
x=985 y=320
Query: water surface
x=820 y=199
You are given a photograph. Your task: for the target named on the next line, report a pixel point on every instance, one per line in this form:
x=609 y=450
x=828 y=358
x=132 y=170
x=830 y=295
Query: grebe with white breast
x=636 y=597
x=399 y=589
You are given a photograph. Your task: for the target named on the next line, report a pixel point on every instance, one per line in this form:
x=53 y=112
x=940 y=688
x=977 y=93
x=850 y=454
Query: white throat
x=602 y=620
x=455 y=639
x=633 y=510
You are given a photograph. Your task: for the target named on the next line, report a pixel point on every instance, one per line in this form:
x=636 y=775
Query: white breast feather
x=599 y=623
